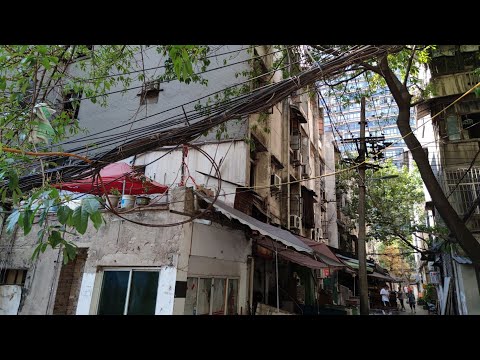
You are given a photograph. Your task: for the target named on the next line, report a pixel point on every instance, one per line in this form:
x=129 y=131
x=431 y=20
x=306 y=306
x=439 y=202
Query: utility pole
x=362 y=254
x=361 y=143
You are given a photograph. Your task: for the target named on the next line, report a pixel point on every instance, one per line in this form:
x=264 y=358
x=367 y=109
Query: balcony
x=452 y=84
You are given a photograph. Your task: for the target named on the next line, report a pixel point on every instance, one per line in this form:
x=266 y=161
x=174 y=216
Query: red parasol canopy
x=113 y=176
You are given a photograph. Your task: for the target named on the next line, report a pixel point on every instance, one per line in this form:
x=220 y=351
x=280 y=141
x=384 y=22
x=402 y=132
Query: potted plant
x=114 y=197
x=144 y=200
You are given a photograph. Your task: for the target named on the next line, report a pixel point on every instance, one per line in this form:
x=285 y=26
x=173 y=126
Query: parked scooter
x=432 y=308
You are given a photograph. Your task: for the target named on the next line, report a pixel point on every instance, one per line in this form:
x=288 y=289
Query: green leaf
x=36 y=252
x=46 y=63
x=70 y=250
x=41 y=234
x=65 y=257
x=43 y=216
x=27 y=221
x=55 y=238
x=80 y=219
x=64 y=214
x=97 y=219
x=90 y=205
x=12 y=221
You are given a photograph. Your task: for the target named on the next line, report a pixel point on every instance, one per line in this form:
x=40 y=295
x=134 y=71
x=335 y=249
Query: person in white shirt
x=385 y=295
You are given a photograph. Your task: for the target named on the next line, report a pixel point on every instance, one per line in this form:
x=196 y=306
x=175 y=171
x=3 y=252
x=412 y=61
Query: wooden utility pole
x=362 y=254
x=361 y=143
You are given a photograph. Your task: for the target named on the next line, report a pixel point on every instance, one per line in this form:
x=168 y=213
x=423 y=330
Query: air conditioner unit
x=275 y=182
x=305 y=170
x=295 y=142
x=295 y=222
x=297 y=157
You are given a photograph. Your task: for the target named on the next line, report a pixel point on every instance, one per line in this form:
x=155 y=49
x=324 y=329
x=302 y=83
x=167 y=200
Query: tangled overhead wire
x=242 y=106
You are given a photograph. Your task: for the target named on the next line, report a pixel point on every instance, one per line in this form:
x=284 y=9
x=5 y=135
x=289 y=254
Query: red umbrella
x=114 y=176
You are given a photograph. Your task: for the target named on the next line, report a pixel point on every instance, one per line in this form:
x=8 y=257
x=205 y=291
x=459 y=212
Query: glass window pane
x=452 y=128
x=191 y=298
x=114 y=292
x=232 y=297
x=203 y=301
x=143 y=293
x=219 y=286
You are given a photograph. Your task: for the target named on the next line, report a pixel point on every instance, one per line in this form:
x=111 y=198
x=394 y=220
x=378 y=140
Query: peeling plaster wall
x=117 y=243
x=330 y=189
x=10 y=296
x=122 y=106
x=233 y=155
x=178 y=251
x=221 y=251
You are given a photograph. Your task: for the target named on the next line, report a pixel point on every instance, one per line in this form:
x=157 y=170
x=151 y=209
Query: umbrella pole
x=123 y=190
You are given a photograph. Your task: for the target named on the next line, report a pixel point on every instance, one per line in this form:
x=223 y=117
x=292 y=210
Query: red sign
x=326 y=272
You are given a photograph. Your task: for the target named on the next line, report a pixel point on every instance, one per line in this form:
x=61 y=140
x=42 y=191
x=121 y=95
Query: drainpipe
x=250 y=287
x=276 y=272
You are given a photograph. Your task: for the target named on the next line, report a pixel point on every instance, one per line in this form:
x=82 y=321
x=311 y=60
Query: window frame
x=225 y=299
x=130 y=270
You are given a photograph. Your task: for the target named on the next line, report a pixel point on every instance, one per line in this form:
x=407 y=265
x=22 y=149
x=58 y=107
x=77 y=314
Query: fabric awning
x=324 y=253
x=353 y=263
x=292 y=255
x=275 y=233
x=462 y=259
x=381 y=276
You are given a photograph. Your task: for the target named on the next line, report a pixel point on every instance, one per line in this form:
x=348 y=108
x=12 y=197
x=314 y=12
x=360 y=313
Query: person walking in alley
x=401 y=296
x=411 y=300
x=385 y=295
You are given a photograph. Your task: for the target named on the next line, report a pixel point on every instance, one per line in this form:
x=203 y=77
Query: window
x=71 y=104
x=466 y=192
x=453 y=130
x=150 y=92
x=13 y=276
x=211 y=296
x=128 y=292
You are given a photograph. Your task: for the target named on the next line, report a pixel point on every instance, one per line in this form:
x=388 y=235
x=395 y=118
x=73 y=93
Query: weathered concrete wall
x=122 y=108
x=233 y=157
x=330 y=190
x=215 y=250
x=221 y=251
x=470 y=294
x=117 y=243
x=41 y=275
x=68 y=287
x=10 y=296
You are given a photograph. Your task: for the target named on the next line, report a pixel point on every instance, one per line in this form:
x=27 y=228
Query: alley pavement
x=419 y=310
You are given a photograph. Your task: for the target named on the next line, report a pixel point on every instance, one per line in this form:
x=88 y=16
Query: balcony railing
x=463 y=189
x=452 y=84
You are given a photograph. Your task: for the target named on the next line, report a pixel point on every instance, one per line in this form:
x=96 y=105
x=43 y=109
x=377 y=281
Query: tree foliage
x=393 y=210
x=400 y=73
x=37 y=78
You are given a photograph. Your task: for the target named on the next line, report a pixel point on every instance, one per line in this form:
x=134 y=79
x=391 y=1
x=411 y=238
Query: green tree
x=30 y=75
x=400 y=72
x=393 y=211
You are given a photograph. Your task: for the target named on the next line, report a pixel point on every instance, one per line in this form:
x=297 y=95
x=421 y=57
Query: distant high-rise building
x=342 y=117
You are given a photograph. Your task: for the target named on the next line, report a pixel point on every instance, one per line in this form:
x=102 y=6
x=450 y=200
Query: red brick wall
x=69 y=285
x=243 y=202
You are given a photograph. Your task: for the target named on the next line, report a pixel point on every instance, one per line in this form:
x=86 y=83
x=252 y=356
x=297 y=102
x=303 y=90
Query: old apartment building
x=244 y=255
x=451 y=140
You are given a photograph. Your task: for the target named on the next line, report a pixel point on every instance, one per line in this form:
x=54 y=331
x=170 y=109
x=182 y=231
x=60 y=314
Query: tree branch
x=373 y=68
x=410 y=61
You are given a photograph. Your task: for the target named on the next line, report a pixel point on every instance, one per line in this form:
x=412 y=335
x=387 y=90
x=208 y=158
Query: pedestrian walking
x=385 y=295
x=401 y=297
x=411 y=300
